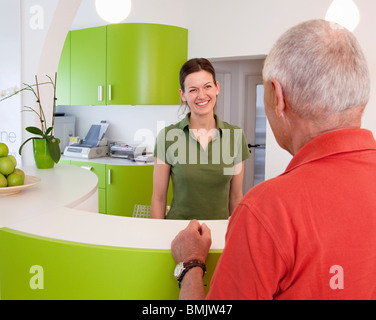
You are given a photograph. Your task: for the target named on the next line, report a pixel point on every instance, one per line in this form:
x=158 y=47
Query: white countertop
x=50 y=209
x=110 y=161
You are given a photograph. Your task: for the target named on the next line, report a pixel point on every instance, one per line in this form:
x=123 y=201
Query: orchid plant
x=43 y=132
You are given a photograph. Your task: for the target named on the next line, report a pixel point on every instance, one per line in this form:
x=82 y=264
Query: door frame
x=238 y=78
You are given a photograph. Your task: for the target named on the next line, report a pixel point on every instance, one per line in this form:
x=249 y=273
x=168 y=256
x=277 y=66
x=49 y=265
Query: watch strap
x=189 y=265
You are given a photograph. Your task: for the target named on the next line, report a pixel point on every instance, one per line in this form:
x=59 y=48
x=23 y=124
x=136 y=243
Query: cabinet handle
x=109 y=176
x=109 y=92
x=100 y=93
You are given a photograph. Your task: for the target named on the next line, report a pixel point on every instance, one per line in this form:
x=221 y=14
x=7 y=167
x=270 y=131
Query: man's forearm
x=192 y=285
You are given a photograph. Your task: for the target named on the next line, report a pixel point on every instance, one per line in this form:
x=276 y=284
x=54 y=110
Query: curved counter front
x=53 y=244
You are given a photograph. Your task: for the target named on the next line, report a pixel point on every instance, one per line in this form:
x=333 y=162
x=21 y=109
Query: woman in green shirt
x=203 y=155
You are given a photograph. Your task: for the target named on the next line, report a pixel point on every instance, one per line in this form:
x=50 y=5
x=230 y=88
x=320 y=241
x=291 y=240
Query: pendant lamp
x=345 y=13
x=113 y=11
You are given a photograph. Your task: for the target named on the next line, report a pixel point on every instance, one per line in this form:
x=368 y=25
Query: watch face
x=178 y=270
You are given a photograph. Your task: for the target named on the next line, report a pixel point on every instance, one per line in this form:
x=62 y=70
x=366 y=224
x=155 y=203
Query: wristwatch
x=182 y=268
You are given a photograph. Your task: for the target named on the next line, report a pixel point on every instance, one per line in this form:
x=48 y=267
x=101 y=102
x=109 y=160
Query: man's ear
x=279 y=98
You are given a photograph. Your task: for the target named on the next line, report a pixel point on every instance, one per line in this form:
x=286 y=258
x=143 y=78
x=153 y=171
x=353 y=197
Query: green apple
x=15 y=180
x=6 y=166
x=4 y=150
x=20 y=172
x=3 y=181
x=13 y=160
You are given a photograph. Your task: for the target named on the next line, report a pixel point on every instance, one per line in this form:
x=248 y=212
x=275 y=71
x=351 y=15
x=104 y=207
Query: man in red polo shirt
x=309 y=233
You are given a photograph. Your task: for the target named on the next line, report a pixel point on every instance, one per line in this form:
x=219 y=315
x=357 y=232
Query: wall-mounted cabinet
x=124 y=64
x=88 y=66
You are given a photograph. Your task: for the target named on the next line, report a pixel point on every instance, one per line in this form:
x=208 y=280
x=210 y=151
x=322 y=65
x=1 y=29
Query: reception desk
x=54 y=244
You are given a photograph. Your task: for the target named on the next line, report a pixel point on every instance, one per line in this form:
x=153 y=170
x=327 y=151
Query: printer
x=122 y=150
x=93 y=146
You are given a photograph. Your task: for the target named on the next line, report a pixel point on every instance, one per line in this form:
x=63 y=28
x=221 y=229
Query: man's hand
x=192 y=243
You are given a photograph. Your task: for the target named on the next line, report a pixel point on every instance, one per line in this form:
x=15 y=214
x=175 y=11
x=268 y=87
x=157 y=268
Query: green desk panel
x=79 y=271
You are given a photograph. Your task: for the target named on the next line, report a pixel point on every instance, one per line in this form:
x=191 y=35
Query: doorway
x=241 y=103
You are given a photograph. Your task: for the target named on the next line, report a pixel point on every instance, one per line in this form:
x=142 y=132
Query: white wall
x=221 y=28
x=10 y=66
x=36 y=17
x=126 y=122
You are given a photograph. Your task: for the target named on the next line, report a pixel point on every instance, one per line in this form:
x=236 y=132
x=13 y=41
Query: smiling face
x=200 y=92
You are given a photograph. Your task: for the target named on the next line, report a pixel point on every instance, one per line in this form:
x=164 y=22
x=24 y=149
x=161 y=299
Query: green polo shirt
x=201 y=178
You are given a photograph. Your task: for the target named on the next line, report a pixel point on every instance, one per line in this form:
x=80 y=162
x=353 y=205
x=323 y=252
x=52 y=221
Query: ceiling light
x=113 y=11
x=345 y=13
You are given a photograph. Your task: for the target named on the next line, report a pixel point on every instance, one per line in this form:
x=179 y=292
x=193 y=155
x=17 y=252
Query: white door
x=240 y=103
x=255 y=114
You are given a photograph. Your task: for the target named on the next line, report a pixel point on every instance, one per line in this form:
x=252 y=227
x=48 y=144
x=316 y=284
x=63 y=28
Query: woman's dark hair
x=195 y=65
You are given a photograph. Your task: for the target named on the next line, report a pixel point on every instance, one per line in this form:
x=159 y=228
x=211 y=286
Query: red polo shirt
x=309 y=233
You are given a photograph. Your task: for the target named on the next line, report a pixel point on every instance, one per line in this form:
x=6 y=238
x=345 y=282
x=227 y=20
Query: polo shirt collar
x=335 y=142
x=185 y=122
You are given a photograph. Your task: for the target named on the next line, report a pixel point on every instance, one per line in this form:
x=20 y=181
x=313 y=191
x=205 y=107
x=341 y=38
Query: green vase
x=42 y=154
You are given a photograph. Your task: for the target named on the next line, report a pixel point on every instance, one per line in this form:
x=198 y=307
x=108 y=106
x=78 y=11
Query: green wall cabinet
x=143 y=63
x=88 y=66
x=125 y=64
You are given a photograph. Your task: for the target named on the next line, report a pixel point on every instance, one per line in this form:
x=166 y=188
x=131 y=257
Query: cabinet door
x=64 y=74
x=127 y=186
x=143 y=63
x=88 y=66
x=99 y=169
